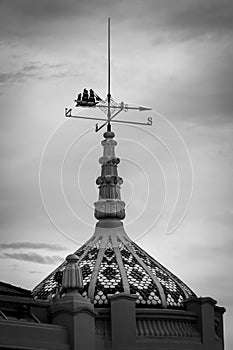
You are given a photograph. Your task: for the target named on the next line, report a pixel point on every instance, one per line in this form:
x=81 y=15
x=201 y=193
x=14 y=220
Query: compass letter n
x=68 y=112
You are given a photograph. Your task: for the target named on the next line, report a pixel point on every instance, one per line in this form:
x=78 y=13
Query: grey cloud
x=31 y=245
x=165 y=20
x=14 y=76
x=207 y=253
x=181 y=20
x=27 y=19
x=13 y=266
x=34 y=272
x=221 y=218
x=202 y=17
x=39 y=8
x=35 y=70
x=33 y=257
x=4 y=77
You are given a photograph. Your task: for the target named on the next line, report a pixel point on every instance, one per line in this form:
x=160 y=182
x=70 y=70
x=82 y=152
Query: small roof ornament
x=72 y=281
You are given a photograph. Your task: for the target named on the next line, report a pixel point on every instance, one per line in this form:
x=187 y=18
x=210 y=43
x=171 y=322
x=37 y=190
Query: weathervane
x=108 y=106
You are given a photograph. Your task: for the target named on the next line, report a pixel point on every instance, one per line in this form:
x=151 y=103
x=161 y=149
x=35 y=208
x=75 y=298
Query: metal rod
x=91 y=118
x=140 y=108
x=121 y=122
x=128 y=122
x=109 y=93
x=104 y=120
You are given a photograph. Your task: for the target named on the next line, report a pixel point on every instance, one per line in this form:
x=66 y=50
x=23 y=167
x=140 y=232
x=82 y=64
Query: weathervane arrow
x=126 y=107
x=141 y=109
x=109 y=106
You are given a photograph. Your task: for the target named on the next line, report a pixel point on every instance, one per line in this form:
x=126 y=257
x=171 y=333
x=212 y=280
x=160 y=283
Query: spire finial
x=109 y=204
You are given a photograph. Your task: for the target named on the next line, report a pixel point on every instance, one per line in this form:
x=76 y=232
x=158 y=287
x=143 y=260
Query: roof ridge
x=14 y=288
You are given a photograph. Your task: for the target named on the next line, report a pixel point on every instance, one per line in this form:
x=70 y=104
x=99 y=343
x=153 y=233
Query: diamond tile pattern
x=175 y=290
x=102 y=262
x=109 y=279
x=139 y=281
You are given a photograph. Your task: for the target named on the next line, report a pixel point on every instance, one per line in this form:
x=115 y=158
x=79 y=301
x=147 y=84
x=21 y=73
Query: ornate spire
x=110 y=262
x=109 y=204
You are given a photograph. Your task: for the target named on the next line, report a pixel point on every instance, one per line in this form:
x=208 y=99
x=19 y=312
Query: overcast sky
x=175 y=56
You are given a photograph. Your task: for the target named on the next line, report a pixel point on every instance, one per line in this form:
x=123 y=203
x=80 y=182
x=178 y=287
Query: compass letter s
x=149 y=120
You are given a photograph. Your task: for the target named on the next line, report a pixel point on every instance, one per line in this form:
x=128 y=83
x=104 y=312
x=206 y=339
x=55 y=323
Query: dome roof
x=112 y=263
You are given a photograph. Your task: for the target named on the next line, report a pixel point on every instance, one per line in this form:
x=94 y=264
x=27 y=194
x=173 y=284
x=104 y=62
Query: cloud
x=35 y=69
x=39 y=9
x=31 y=245
x=40 y=16
x=202 y=17
x=33 y=257
x=14 y=77
x=34 y=272
x=179 y=19
x=183 y=20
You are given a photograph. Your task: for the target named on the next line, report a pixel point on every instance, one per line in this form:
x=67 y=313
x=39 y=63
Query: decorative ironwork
x=90 y=99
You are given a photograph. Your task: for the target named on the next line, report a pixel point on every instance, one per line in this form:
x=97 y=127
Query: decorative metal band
x=110 y=209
